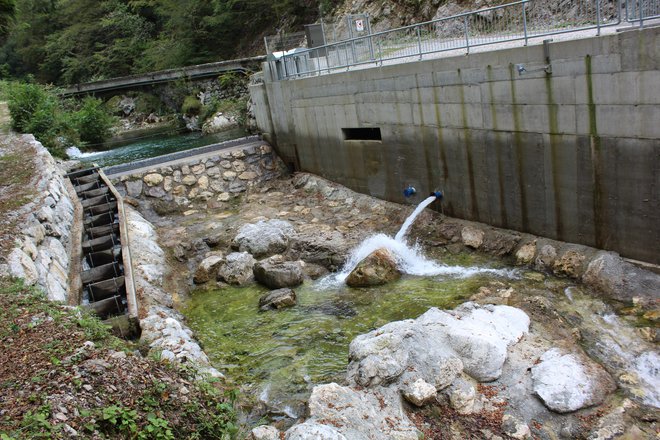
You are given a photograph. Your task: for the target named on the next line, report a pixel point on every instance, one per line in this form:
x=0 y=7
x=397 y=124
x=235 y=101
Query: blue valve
x=410 y=191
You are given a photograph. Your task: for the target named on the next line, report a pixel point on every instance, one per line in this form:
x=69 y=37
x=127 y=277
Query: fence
x=517 y=21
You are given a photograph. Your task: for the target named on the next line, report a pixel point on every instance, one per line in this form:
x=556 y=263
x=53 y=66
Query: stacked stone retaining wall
x=42 y=255
x=215 y=178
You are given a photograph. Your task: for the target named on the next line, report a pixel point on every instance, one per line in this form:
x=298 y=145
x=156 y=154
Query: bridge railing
x=516 y=21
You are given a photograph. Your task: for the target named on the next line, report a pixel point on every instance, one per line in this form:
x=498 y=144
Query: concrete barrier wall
x=572 y=155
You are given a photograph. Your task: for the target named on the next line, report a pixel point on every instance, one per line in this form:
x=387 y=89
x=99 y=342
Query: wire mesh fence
x=517 y=21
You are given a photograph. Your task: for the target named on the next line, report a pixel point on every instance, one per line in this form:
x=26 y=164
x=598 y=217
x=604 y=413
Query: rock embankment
x=210 y=181
x=163 y=329
x=42 y=247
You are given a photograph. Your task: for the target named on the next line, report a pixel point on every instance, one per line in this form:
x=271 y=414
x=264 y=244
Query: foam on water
x=410 y=261
x=75 y=153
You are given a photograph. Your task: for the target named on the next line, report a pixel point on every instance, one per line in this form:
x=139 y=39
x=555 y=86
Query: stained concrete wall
x=572 y=155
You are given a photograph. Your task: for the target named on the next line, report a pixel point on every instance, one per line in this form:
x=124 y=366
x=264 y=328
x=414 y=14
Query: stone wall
x=43 y=248
x=163 y=328
x=571 y=155
x=213 y=179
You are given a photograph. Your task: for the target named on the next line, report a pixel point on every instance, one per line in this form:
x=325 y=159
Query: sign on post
x=359 y=25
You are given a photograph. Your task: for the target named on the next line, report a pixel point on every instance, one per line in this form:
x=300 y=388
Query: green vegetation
x=81 y=377
x=92 y=121
x=234 y=107
x=67 y=42
x=191 y=106
x=55 y=123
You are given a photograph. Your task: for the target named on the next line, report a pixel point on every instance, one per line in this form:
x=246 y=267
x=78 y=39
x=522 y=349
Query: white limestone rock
x=264 y=433
x=208 y=268
x=264 y=238
x=237 y=269
x=472 y=237
x=437 y=346
x=312 y=430
x=22 y=266
x=419 y=392
x=338 y=412
x=568 y=382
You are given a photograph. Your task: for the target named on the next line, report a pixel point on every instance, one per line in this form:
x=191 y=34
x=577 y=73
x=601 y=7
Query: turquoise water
x=157 y=146
x=276 y=356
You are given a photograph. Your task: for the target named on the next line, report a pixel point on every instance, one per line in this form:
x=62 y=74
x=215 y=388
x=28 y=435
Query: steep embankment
x=62 y=374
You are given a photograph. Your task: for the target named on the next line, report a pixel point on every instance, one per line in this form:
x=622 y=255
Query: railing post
x=524 y=15
x=598 y=16
x=467 y=36
x=419 y=41
x=380 y=53
x=286 y=73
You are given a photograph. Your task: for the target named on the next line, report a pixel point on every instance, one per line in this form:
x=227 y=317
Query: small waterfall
x=410 y=259
x=75 y=153
x=411 y=218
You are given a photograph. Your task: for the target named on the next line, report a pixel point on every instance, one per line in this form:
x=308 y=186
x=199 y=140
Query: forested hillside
x=69 y=41
x=72 y=41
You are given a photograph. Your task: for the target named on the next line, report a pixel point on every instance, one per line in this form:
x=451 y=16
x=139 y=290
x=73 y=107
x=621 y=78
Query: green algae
x=290 y=349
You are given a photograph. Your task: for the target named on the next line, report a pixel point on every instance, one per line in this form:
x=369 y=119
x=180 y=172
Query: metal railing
x=517 y=21
x=640 y=10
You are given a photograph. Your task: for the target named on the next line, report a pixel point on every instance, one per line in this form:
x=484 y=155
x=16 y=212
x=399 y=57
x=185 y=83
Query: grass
x=16 y=174
x=62 y=370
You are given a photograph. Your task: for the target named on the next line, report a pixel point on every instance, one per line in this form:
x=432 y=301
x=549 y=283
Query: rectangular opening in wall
x=361 y=134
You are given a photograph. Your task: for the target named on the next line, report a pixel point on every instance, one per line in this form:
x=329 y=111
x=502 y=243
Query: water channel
x=152 y=146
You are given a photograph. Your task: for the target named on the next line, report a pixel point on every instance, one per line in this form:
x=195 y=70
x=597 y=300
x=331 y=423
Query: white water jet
x=411 y=218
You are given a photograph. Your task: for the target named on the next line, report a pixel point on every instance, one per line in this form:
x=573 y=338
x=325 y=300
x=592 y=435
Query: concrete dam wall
x=572 y=155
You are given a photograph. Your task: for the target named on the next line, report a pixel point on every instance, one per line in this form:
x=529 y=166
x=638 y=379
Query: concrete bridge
x=199 y=71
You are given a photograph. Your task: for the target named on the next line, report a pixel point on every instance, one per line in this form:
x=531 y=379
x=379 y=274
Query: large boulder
x=277 y=299
x=568 y=382
x=437 y=347
x=379 y=267
x=327 y=248
x=264 y=238
x=207 y=269
x=217 y=123
x=611 y=275
x=276 y=273
x=237 y=269
x=338 y=412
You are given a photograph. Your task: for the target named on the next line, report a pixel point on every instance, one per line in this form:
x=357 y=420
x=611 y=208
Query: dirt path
x=5 y=120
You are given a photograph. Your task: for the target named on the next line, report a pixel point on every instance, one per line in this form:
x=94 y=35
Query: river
x=153 y=146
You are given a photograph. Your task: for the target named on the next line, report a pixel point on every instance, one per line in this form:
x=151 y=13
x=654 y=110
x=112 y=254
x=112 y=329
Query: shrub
x=55 y=123
x=147 y=103
x=92 y=121
x=191 y=106
x=36 y=109
x=25 y=101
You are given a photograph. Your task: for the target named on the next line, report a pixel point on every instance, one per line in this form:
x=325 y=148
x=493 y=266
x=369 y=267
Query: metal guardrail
x=517 y=21
x=640 y=10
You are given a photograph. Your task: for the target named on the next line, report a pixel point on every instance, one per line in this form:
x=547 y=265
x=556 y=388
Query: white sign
x=359 y=25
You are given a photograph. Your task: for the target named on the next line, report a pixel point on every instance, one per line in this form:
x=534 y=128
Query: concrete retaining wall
x=573 y=155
